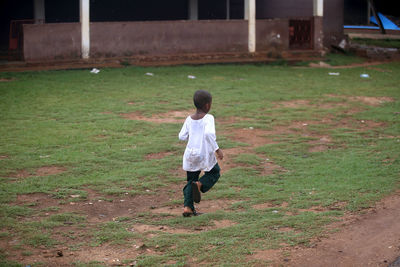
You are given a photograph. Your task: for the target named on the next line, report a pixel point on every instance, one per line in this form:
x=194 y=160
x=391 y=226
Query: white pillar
x=228 y=9
x=193 y=10
x=252 y=25
x=85 y=28
x=318 y=8
x=39 y=11
x=246 y=9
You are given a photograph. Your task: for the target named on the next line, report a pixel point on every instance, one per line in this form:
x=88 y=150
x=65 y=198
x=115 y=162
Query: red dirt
x=42 y=171
x=159 y=155
x=6 y=79
x=371 y=239
x=168 y=117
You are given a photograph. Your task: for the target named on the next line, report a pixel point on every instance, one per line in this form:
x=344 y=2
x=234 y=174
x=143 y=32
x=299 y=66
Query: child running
x=199 y=131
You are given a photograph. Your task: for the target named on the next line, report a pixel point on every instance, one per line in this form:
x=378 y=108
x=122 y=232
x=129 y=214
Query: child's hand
x=220 y=154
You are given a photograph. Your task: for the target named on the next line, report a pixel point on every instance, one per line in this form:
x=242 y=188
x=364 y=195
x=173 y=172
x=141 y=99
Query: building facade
x=104 y=28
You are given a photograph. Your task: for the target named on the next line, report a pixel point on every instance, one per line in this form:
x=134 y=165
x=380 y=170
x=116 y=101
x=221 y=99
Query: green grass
x=388 y=43
x=337 y=59
x=71 y=119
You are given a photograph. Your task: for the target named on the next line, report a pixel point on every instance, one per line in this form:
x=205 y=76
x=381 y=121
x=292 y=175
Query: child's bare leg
x=187 y=210
x=208 y=180
x=199 y=185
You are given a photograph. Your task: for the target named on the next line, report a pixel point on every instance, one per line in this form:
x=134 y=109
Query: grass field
x=90 y=163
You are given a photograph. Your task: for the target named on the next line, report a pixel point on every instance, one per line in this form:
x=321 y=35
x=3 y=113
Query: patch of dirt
x=285 y=230
x=205 y=206
x=318 y=148
x=269 y=168
x=314 y=209
x=51 y=170
x=368 y=100
x=268 y=256
x=254 y=137
x=3 y=157
x=370 y=239
x=37 y=200
x=7 y=79
x=42 y=171
x=295 y=103
x=159 y=155
x=371 y=101
x=168 y=117
x=147 y=229
x=268 y=205
x=323 y=144
x=107 y=254
x=302 y=103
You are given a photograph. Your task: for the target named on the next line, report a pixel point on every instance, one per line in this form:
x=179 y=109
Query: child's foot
x=196 y=192
x=187 y=212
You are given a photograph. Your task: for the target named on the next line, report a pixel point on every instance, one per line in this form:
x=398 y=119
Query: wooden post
x=85 y=28
x=378 y=19
x=369 y=13
x=252 y=25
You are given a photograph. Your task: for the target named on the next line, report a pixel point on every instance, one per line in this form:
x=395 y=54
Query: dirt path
x=372 y=239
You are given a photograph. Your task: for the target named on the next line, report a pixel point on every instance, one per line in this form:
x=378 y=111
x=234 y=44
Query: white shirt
x=200 y=150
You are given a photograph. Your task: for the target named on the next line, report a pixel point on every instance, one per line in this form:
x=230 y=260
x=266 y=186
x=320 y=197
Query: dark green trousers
x=208 y=180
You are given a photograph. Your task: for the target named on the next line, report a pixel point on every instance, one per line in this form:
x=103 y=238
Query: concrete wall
x=333 y=22
x=52 y=41
x=284 y=8
x=124 y=39
x=118 y=39
x=333 y=19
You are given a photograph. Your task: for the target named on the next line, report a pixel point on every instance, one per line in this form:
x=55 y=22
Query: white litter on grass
x=275 y=211
x=191 y=77
x=251 y=128
x=43 y=157
x=149 y=74
x=364 y=75
x=95 y=71
x=334 y=73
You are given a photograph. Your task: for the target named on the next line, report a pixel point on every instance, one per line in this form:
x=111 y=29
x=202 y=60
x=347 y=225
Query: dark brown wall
x=333 y=22
x=52 y=41
x=124 y=39
x=168 y=37
x=118 y=39
x=272 y=34
x=284 y=8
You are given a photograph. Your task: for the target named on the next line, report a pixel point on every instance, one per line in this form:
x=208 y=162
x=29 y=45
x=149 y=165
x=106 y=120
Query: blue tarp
x=361 y=27
x=387 y=24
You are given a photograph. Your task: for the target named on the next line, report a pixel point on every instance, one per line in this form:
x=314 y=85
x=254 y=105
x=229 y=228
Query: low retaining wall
x=49 y=42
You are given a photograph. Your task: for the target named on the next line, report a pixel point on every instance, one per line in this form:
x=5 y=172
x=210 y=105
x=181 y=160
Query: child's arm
x=220 y=154
x=212 y=138
x=184 y=133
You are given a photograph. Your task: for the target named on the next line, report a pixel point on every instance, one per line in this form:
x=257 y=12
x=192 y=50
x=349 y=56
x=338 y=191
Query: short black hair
x=201 y=98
